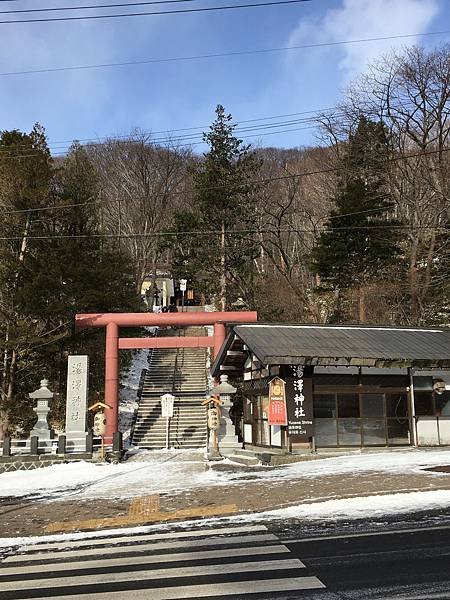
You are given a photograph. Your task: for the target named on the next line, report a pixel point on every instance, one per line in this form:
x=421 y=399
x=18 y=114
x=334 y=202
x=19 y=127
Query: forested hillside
x=353 y=229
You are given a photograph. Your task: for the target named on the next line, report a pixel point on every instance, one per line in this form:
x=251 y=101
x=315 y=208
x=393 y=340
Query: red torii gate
x=112 y=322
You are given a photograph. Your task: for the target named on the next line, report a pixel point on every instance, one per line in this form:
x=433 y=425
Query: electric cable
x=222 y=54
x=216 y=232
x=157 y=12
x=201 y=129
x=277 y=178
x=170 y=142
x=92 y=6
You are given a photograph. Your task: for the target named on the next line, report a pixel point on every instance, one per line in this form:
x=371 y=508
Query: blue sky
x=156 y=97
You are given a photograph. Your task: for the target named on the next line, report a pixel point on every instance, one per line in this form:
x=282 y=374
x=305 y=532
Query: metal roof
x=340 y=345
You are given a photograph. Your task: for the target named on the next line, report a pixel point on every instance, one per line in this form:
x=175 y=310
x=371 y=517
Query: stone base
x=214 y=455
x=76 y=442
x=229 y=444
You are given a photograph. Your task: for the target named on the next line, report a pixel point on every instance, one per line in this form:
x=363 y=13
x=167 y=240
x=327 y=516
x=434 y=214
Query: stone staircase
x=181 y=372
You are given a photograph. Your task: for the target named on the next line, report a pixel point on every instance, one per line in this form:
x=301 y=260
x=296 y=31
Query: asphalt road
x=404 y=558
x=407 y=564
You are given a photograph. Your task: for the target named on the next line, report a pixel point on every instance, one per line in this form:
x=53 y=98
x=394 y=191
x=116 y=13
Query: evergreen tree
x=65 y=267
x=359 y=240
x=25 y=174
x=221 y=258
x=75 y=270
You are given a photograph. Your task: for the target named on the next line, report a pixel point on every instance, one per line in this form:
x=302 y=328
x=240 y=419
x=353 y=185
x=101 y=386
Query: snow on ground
x=129 y=386
x=175 y=470
x=396 y=461
x=330 y=510
x=362 y=508
x=156 y=472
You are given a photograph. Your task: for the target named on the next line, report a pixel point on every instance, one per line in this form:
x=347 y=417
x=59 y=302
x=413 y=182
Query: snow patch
x=163 y=471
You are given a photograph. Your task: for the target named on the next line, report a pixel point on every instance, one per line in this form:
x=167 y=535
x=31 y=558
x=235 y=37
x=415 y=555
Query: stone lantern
x=227 y=438
x=42 y=397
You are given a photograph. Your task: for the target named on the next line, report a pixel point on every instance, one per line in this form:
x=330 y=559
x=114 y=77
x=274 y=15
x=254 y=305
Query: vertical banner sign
x=277 y=402
x=299 y=400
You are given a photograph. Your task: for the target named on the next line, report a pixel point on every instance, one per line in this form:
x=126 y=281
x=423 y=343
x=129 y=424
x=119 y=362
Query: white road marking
x=201 y=591
x=142 y=560
x=213 y=541
x=189 y=571
x=139 y=538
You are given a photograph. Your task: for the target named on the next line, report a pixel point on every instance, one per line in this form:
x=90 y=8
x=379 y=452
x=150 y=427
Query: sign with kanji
x=167 y=402
x=77 y=392
x=213 y=418
x=277 y=402
x=299 y=400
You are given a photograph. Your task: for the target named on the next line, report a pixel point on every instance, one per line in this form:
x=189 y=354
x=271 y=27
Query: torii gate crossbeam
x=112 y=322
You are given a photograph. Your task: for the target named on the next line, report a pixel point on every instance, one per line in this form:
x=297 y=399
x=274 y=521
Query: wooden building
x=342 y=386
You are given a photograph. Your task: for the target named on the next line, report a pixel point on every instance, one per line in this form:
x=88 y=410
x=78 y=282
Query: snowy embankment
x=163 y=472
x=129 y=386
x=180 y=470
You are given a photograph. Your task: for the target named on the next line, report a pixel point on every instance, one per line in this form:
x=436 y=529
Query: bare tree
x=292 y=209
x=409 y=93
x=142 y=184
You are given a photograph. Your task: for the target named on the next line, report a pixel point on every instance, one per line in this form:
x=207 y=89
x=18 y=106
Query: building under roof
x=356 y=386
x=335 y=345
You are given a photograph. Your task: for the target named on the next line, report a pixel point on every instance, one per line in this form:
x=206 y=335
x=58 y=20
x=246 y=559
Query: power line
x=173 y=142
x=159 y=12
x=267 y=180
x=216 y=232
x=221 y=54
x=91 y=7
x=142 y=134
x=185 y=144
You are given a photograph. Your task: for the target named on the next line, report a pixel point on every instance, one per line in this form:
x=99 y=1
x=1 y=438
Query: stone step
x=198 y=421
x=181 y=372
x=245 y=457
x=199 y=438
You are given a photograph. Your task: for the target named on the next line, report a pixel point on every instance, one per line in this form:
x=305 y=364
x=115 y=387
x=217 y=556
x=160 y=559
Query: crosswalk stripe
x=142 y=538
x=140 y=560
x=228 y=562
x=191 y=571
x=193 y=592
x=213 y=541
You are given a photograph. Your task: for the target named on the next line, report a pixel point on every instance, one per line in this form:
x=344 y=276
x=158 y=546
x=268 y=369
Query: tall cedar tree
x=219 y=261
x=358 y=242
x=71 y=269
x=25 y=175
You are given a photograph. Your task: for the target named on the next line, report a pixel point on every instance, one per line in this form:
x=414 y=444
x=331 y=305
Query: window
x=374 y=432
x=443 y=404
x=325 y=432
x=423 y=402
x=397 y=405
x=372 y=405
x=349 y=431
x=324 y=406
x=348 y=405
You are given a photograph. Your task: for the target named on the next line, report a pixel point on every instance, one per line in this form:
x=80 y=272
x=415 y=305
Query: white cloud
x=358 y=19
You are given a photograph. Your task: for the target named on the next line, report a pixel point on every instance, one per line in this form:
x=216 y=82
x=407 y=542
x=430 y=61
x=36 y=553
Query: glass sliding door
x=325 y=423
x=349 y=421
x=361 y=419
x=373 y=409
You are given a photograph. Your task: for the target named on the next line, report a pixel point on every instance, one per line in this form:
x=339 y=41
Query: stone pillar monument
x=76 y=403
x=41 y=429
